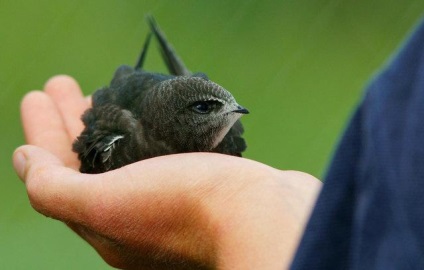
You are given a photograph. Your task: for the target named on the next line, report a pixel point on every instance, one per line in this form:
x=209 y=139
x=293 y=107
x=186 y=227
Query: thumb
x=53 y=189
x=29 y=158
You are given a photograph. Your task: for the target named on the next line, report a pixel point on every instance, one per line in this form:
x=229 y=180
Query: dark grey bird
x=144 y=114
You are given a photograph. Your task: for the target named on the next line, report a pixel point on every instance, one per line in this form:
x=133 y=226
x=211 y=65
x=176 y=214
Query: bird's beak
x=241 y=110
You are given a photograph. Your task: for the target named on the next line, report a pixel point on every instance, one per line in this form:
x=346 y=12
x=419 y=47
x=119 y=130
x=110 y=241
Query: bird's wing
x=173 y=62
x=142 y=57
x=121 y=77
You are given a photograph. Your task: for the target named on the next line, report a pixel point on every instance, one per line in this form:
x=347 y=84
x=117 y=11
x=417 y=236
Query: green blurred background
x=298 y=66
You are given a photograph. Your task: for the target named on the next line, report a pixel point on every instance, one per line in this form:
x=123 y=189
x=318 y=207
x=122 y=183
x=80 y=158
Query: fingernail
x=19 y=162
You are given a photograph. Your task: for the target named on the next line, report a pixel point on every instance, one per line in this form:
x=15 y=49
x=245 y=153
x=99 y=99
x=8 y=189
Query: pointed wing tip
x=142 y=57
x=174 y=64
x=151 y=22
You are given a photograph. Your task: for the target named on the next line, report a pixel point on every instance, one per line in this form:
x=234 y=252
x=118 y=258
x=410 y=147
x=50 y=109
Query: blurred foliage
x=298 y=66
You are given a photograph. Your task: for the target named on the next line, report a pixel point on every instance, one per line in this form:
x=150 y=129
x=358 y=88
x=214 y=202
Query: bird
x=144 y=114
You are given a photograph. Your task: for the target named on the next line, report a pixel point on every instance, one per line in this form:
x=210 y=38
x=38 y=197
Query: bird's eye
x=204 y=107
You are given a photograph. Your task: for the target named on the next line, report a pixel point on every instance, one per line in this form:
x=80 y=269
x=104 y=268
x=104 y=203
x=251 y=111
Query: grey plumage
x=144 y=114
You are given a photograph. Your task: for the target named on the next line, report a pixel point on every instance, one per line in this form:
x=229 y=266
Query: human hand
x=185 y=211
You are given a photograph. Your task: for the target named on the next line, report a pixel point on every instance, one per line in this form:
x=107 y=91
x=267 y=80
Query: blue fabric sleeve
x=370 y=213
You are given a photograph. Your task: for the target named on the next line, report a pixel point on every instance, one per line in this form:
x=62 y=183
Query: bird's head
x=195 y=112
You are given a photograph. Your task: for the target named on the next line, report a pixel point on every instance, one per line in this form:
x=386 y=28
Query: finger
x=43 y=127
x=67 y=95
x=53 y=189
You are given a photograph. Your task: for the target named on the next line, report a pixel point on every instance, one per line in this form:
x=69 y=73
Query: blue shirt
x=370 y=213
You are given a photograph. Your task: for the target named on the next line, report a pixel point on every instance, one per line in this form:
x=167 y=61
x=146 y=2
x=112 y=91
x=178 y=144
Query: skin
x=204 y=210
